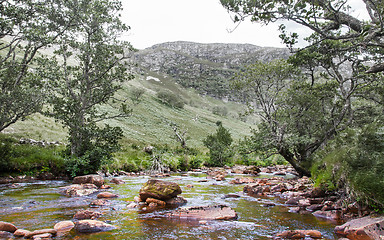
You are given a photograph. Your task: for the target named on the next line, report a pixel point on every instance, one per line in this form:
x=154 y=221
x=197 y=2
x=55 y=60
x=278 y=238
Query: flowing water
x=39 y=205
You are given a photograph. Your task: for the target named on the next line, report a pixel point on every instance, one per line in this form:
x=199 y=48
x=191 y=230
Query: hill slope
x=189 y=71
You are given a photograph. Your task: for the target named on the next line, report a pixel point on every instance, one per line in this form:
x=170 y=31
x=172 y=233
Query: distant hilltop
x=206 y=67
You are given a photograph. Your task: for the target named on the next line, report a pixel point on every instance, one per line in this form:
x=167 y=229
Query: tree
x=298 y=115
x=343 y=51
x=91 y=71
x=328 y=19
x=219 y=145
x=25 y=28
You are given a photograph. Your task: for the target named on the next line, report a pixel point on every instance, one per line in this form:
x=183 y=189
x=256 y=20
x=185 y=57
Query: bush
x=22 y=159
x=354 y=162
x=195 y=162
x=219 y=145
x=221 y=111
x=171 y=99
x=136 y=94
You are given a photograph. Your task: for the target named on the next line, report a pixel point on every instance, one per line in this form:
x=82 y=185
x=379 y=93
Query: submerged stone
x=215 y=212
x=90 y=226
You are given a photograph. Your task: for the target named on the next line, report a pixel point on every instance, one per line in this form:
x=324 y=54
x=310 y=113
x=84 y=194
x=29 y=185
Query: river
x=39 y=205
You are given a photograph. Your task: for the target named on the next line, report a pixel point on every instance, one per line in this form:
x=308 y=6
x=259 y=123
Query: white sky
x=203 y=21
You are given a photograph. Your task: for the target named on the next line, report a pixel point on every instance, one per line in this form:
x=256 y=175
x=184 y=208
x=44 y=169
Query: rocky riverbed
x=254 y=204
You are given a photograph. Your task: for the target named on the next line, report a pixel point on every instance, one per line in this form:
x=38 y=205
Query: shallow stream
x=39 y=205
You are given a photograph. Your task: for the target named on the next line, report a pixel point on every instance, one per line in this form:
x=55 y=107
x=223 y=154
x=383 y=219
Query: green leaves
x=219 y=145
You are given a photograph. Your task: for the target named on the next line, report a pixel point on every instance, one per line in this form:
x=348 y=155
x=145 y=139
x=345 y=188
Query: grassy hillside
x=149 y=123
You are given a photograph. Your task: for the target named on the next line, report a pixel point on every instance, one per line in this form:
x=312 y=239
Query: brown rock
x=99 y=203
x=158 y=189
x=304 y=203
x=105 y=187
x=137 y=199
x=87 y=214
x=252 y=170
x=242 y=180
x=312 y=233
x=78 y=190
x=365 y=228
x=216 y=212
x=231 y=195
x=117 y=181
x=64 y=226
x=256 y=189
x=315 y=207
x=94 y=179
x=21 y=232
x=299 y=234
x=42 y=236
x=90 y=226
x=7 y=227
x=317 y=192
x=157 y=201
x=333 y=214
x=279 y=188
x=294 y=201
x=177 y=201
x=42 y=231
x=5 y=235
x=291 y=234
x=107 y=195
x=132 y=205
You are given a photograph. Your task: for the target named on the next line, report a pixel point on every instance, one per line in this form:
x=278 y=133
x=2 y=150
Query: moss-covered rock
x=159 y=189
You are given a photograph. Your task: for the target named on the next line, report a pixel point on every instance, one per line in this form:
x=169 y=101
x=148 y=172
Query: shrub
x=21 y=159
x=221 y=111
x=354 y=162
x=136 y=94
x=171 y=99
x=219 y=145
x=195 y=162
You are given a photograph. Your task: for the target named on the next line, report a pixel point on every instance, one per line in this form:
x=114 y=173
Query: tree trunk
x=289 y=157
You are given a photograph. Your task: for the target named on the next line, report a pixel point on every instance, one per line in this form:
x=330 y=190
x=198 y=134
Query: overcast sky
x=203 y=21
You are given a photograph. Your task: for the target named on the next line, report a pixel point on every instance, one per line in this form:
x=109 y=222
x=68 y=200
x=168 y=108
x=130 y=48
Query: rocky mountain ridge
x=206 y=67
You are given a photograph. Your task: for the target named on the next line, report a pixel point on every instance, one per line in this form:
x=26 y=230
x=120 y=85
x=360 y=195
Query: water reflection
x=39 y=205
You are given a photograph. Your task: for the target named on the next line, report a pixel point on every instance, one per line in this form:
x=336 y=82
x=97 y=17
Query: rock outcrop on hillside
x=205 y=67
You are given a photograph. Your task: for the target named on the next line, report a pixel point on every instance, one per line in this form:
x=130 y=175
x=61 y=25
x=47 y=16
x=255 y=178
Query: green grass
x=149 y=124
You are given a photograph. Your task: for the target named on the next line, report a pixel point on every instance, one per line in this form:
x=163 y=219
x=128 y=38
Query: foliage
x=171 y=99
x=354 y=162
x=220 y=110
x=219 y=145
x=96 y=151
x=329 y=20
x=21 y=159
x=297 y=115
x=136 y=94
x=25 y=28
x=83 y=87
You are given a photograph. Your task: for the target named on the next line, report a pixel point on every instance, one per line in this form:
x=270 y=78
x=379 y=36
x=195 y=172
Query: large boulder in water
x=216 y=212
x=93 y=179
x=362 y=228
x=159 y=189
